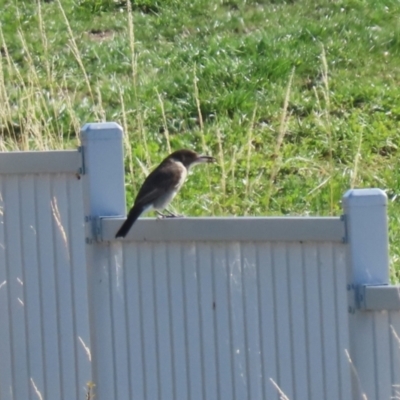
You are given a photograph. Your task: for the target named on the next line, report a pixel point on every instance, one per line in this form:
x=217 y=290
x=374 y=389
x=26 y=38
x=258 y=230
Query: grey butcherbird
x=161 y=186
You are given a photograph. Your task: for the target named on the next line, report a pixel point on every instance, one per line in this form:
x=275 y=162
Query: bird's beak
x=206 y=159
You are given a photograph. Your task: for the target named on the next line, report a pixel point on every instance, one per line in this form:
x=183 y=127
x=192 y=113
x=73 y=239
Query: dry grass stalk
x=221 y=162
x=165 y=124
x=328 y=126
x=126 y=136
x=277 y=156
x=75 y=50
x=249 y=148
x=131 y=41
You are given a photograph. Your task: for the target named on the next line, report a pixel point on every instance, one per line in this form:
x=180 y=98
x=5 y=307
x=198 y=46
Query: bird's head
x=190 y=158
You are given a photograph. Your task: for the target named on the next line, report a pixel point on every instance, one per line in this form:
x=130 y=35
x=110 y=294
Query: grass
x=298 y=100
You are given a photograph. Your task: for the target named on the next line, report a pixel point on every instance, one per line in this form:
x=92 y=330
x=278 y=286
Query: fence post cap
x=364 y=198
x=101 y=130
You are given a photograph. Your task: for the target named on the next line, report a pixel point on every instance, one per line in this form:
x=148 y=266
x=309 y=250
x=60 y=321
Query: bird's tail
x=133 y=215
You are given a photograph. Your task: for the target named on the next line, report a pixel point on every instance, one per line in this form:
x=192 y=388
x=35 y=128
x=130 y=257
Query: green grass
x=214 y=76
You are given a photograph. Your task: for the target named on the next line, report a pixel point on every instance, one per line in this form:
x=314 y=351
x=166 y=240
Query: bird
x=162 y=185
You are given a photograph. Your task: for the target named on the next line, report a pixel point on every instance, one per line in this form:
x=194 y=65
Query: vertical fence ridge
x=231 y=252
x=246 y=267
x=215 y=305
x=298 y=318
x=127 y=304
x=336 y=285
x=79 y=287
x=223 y=341
x=291 y=327
x=152 y=383
x=277 y=379
x=236 y=312
x=328 y=316
x=201 y=322
x=111 y=291
x=193 y=319
x=269 y=330
x=132 y=315
x=316 y=344
x=231 y=349
x=161 y=271
x=207 y=314
x=179 y=325
x=6 y=369
x=56 y=287
x=260 y=323
x=72 y=289
x=394 y=320
x=9 y=287
x=170 y=311
x=321 y=318
x=140 y=322
x=374 y=349
x=63 y=283
x=155 y=316
x=306 y=327
x=18 y=332
x=342 y=327
x=35 y=199
x=45 y=236
x=185 y=322
x=382 y=353
x=23 y=282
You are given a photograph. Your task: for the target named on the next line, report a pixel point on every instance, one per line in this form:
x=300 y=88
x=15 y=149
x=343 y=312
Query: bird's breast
x=163 y=201
x=183 y=171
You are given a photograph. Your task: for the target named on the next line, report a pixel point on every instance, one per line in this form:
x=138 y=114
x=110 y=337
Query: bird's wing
x=165 y=177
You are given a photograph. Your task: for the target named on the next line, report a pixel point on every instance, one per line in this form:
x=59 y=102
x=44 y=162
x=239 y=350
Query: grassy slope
x=232 y=60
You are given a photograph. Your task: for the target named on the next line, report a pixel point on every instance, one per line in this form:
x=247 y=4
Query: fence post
x=104 y=195
x=367 y=235
x=104 y=168
x=367 y=240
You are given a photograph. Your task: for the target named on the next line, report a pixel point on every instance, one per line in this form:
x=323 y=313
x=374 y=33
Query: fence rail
x=290 y=229
x=41 y=162
x=190 y=308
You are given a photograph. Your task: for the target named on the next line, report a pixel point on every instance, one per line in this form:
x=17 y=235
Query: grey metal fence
x=194 y=308
x=44 y=318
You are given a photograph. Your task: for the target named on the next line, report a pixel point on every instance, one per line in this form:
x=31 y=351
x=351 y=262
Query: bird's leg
x=170 y=214
x=160 y=215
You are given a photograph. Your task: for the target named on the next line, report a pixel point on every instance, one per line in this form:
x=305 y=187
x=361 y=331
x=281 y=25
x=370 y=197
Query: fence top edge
x=292 y=229
x=36 y=162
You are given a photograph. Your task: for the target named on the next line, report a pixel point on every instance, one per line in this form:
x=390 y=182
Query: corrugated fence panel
x=394 y=334
x=220 y=320
x=379 y=359
x=44 y=330
x=185 y=309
